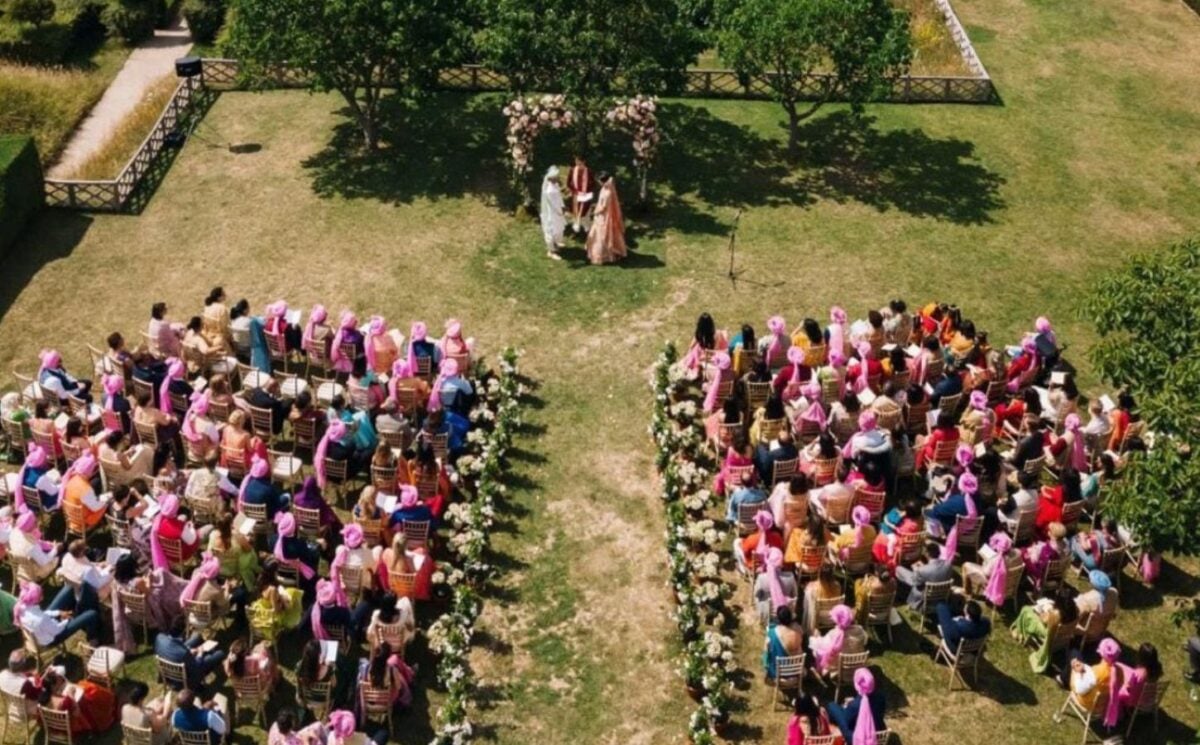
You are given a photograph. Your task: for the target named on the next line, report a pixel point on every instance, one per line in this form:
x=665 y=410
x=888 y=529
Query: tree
x=864 y=44
x=35 y=12
x=354 y=47
x=591 y=51
x=1148 y=317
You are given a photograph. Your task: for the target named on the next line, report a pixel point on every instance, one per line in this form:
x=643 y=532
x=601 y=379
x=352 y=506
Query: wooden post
x=474 y=77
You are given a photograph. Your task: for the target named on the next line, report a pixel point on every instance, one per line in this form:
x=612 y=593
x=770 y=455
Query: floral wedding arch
x=530 y=116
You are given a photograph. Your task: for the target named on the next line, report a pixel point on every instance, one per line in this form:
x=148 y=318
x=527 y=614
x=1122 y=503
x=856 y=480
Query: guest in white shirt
x=78 y=569
x=25 y=542
x=62 y=618
x=19 y=679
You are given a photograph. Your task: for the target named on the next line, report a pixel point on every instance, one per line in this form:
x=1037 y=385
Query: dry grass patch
x=125 y=139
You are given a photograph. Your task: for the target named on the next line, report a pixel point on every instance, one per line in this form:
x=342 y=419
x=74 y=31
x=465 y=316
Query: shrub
x=20 y=185
x=131 y=20
x=204 y=18
x=36 y=12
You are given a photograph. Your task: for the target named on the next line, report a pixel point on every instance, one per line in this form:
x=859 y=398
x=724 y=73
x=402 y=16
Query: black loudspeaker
x=187 y=67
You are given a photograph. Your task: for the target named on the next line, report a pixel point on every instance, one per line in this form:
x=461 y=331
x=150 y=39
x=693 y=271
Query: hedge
x=21 y=189
x=50 y=43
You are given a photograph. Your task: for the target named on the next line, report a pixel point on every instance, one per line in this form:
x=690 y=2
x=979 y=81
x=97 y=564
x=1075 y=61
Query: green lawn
x=1009 y=210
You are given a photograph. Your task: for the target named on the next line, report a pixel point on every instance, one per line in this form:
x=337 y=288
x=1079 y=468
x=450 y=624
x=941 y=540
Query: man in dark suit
x=932 y=569
x=970 y=625
x=173 y=648
x=949 y=385
x=266 y=398
x=766 y=455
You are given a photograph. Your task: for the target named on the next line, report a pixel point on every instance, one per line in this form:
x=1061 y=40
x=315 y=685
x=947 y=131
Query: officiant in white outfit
x=553 y=221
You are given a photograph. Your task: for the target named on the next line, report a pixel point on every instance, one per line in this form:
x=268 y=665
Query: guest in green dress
x=1037 y=624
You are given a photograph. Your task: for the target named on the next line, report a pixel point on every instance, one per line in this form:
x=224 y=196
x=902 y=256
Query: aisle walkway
x=146 y=65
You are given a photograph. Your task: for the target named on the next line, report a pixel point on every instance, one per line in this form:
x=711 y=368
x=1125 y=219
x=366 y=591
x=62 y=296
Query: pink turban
x=36 y=458
x=259 y=469
x=1042 y=324
x=453 y=329
x=867 y=421
x=864 y=726
x=51 y=360
x=168 y=506
x=778 y=327
x=316 y=317
x=341 y=724
x=862 y=518
x=335 y=431
x=277 y=309
x=842 y=616
x=1110 y=652
x=764 y=521
x=352 y=535
x=376 y=327
x=285 y=526
x=349 y=322
x=721 y=362
x=30 y=595
x=114 y=385
x=409 y=496
x=175 y=371
x=419 y=333
x=795 y=355
x=996 y=590
x=965 y=455
x=837 y=358
x=26 y=522
x=978 y=400
x=837 y=331
x=774 y=562
x=968 y=485
x=198 y=408
x=326 y=596
x=83 y=466
x=864 y=369
x=447 y=370
x=1079 y=460
x=815 y=412
x=208 y=570
x=401 y=369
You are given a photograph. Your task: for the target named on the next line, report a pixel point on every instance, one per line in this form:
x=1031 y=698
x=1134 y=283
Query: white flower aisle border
x=480 y=475
x=693 y=543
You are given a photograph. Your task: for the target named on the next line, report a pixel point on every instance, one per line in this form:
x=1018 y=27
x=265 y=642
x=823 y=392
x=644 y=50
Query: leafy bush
x=45 y=44
x=20 y=185
x=204 y=18
x=1148 y=317
x=36 y=12
x=131 y=20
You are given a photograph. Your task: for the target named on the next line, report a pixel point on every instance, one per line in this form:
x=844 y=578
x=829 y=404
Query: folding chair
x=104 y=664
x=76 y=520
x=757 y=395
x=336 y=474
x=933 y=593
x=879 y=611
x=857 y=563
x=200 y=617
x=416 y=532
x=249 y=693
x=304 y=434
x=789 y=676
x=372 y=530
x=257 y=513
x=56 y=726
x=235 y=462
x=262 y=424
x=327 y=389
x=317 y=697
x=384 y=478
x=825 y=470
x=769 y=429
x=812 y=558
x=1150 y=702
x=1084 y=714
x=277 y=349
x=187 y=737
x=137 y=735
x=825 y=606
x=872 y=499
x=403 y=584
x=376 y=704
x=916 y=420
x=16 y=713
x=843 y=673
x=949 y=404
x=784 y=470
x=965 y=657
x=308 y=521
x=1023 y=530
x=172 y=674
x=285 y=467
x=134 y=606
x=970 y=530
x=745 y=517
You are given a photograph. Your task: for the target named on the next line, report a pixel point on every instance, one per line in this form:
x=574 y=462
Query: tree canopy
x=590 y=51
x=353 y=47
x=1148 y=316
x=863 y=43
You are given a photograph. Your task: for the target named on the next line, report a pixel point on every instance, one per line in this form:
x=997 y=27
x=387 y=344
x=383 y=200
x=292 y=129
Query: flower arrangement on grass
x=527 y=118
x=694 y=544
x=480 y=475
x=638 y=117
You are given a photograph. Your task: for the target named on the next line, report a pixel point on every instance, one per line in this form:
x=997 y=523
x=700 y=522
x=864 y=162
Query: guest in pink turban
x=174 y=382
x=453 y=344
x=53 y=377
x=347 y=335
x=777 y=343
x=294 y=551
x=827 y=648
x=722 y=374
x=257 y=488
x=317 y=332
x=168 y=525
x=862 y=718
x=380 y=346
x=36 y=466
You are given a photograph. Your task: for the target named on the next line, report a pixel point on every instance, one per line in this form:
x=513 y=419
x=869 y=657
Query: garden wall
x=20 y=186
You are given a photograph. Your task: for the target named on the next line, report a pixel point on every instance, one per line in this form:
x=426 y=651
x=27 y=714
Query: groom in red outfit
x=579 y=184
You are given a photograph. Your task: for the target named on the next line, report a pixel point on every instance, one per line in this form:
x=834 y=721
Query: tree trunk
x=793 y=146
x=364 y=115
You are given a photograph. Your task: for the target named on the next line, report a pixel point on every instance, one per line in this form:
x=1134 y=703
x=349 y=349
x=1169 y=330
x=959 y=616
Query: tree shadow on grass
x=844 y=158
x=449 y=145
x=51 y=234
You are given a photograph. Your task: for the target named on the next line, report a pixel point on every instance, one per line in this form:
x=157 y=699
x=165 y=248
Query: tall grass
x=47 y=102
x=122 y=143
x=934 y=50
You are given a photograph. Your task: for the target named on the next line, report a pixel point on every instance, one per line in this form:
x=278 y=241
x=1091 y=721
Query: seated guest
x=943 y=516
x=235 y=438
x=862 y=534
x=1038 y=556
x=808 y=720
x=878 y=583
x=1052 y=499
x=766 y=455
x=859 y=723
x=125 y=463
x=451 y=391
x=1024 y=499
x=92 y=707
x=78 y=570
x=827 y=648
x=200 y=432
x=205 y=587
x=25 y=542
x=277 y=609
x=404 y=383
x=294 y=551
x=918 y=367
x=258 y=489
x=950 y=384
x=164 y=334
x=409 y=508
x=331 y=618
x=239 y=328
x=75 y=491
x=116 y=404
x=353 y=556
x=1000 y=560
x=869 y=442
x=1087 y=682
x=168 y=525
x=1039 y=621
x=789 y=498
x=1101 y=599
x=174 y=384
x=944 y=431
x=215 y=321
x=392 y=622
x=774 y=588
x=234 y=551
x=749 y=551
x=170 y=645
x=310 y=497
x=257 y=662
x=37 y=472
x=399 y=559
x=380 y=346
x=20 y=680
x=812 y=534
x=275 y=323
x=933 y=568
x=42 y=424
x=784 y=639
x=453 y=344
x=387 y=671
x=420 y=346
x=1088 y=547
x=61 y=619
x=117 y=360
x=53 y=377
x=166 y=426
x=267 y=397
x=792 y=376
x=207 y=717
x=1146 y=669
x=745 y=494
x=154 y=715
x=971 y=625
x=889 y=543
